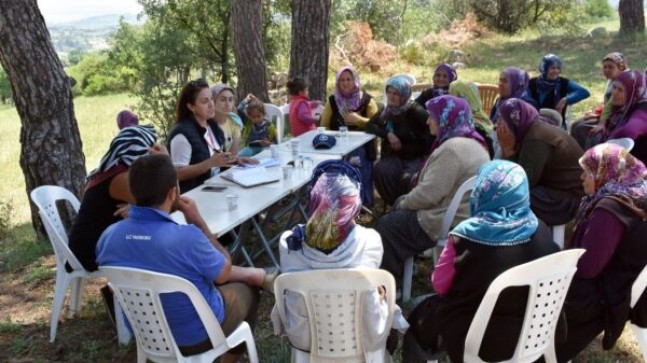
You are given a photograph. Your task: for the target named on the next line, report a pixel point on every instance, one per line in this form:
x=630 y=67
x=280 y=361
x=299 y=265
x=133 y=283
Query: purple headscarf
x=616 y=173
x=454 y=117
x=349 y=101
x=127 y=118
x=633 y=84
x=451 y=72
x=518 y=115
x=518 y=81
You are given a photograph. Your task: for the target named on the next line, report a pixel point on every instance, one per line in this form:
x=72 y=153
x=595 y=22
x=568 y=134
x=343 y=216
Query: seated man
x=149 y=239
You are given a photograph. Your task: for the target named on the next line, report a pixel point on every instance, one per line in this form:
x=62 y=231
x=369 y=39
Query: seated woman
x=350 y=106
x=413 y=224
x=469 y=92
x=443 y=76
x=502 y=232
x=228 y=121
x=513 y=83
x=551 y=90
x=548 y=155
x=196 y=142
x=107 y=192
x=405 y=140
x=331 y=239
x=611 y=226
x=588 y=130
x=629 y=112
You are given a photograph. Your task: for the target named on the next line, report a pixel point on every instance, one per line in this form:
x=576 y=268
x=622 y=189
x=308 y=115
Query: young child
x=258 y=131
x=301 y=108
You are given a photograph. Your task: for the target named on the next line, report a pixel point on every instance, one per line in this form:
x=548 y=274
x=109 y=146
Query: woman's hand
x=222 y=159
x=506 y=139
x=396 y=145
x=351 y=118
x=597 y=128
x=265 y=143
x=122 y=211
x=246 y=160
x=559 y=107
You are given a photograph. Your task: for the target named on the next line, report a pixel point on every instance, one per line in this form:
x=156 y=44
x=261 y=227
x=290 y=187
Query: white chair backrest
x=638 y=287
x=333 y=302
x=548 y=279
x=450 y=214
x=139 y=293
x=273 y=113
x=45 y=198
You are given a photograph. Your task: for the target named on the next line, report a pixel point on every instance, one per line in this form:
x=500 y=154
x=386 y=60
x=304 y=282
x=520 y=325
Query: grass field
x=27 y=265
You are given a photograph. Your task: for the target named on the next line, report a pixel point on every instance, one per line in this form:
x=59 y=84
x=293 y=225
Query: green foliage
x=96 y=74
x=5 y=87
x=6 y=213
x=384 y=16
x=598 y=8
x=510 y=16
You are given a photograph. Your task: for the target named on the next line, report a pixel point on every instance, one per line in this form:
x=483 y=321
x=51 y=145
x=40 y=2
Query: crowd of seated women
x=426 y=149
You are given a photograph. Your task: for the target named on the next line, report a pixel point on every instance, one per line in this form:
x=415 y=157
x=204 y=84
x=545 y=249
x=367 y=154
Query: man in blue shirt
x=149 y=239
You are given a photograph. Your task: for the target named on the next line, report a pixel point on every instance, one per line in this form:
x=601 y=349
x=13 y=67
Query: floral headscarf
x=519 y=116
x=454 y=119
x=543 y=83
x=616 y=174
x=334 y=203
x=349 y=101
x=403 y=87
x=633 y=84
x=617 y=58
x=499 y=207
x=465 y=91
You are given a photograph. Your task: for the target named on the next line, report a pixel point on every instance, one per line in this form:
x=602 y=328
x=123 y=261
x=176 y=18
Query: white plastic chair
x=548 y=279
x=637 y=289
x=624 y=142
x=45 y=198
x=558 y=233
x=448 y=218
x=273 y=111
x=139 y=291
x=334 y=307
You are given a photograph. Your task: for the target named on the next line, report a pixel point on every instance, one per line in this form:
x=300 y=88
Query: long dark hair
x=188 y=95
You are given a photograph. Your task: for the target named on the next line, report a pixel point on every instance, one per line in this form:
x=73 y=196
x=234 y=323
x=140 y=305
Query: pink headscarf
x=348 y=101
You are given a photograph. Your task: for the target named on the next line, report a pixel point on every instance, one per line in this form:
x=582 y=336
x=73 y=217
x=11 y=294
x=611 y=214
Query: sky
x=58 y=11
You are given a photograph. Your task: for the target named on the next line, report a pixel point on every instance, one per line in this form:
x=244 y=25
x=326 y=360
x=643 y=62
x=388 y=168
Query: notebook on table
x=249 y=177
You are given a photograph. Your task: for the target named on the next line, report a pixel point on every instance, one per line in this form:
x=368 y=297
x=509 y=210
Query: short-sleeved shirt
x=149 y=239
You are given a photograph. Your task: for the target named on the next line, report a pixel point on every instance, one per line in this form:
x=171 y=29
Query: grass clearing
x=27 y=265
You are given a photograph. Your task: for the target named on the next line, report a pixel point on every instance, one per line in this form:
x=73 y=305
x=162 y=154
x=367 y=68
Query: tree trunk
x=51 y=149
x=632 y=17
x=309 y=49
x=247 y=28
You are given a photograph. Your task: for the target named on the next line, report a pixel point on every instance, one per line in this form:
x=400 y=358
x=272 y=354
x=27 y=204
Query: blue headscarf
x=543 y=83
x=403 y=87
x=499 y=207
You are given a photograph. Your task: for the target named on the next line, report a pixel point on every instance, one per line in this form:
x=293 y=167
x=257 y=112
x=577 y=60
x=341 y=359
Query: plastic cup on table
x=274 y=150
x=343 y=133
x=232 y=202
x=294 y=146
x=287 y=172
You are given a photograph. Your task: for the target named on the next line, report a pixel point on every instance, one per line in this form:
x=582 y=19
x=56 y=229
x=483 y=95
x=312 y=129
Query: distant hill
x=87 y=34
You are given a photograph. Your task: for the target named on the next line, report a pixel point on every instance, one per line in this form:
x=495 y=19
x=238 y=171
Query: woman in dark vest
x=551 y=90
x=351 y=107
x=406 y=140
x=501 y=233
x=611 y=225
x=547 y=154
x=196 y=142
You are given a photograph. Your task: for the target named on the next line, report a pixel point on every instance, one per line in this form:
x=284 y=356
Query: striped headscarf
x=129 y=144
x=616 y=173
x=500 y=213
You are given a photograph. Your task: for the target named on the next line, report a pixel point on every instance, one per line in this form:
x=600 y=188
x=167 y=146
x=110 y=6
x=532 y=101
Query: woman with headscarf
x=443 y=76
x=107 y=191
x=501 y=232
x=331 y=239
x=551 y=90
x=513 y=83
x=610 y=225
x=469 y=92
x=412 y=226
x=548 y=155
x=352 y=107
x=629 y=112
x=405 y=140
x=588 y=130
x=226 y=117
